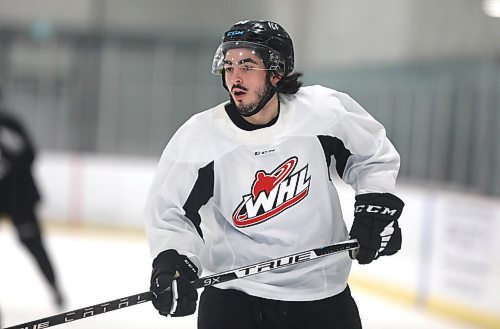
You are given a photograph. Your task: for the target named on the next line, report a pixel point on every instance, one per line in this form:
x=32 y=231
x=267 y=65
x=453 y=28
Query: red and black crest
x=272 y=193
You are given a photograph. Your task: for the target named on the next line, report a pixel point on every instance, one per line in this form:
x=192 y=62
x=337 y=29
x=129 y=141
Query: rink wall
x=450 y=262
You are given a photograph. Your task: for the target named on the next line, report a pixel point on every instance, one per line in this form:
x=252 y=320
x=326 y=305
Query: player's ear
x=275 y=78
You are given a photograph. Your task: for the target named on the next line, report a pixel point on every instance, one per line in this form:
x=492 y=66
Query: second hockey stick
x=209 y=280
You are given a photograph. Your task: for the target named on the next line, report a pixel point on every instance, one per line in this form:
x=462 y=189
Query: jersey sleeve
x=180 y=187
x=373 y=163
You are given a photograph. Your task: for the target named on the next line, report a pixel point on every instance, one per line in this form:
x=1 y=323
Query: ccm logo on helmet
x=375 y=210
x=233 y=33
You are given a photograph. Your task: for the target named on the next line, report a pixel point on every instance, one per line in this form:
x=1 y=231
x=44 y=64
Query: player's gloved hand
x=170 y=283
x=375 y=226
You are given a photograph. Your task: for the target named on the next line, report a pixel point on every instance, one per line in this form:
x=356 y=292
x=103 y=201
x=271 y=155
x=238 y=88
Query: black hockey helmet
x=268 y=39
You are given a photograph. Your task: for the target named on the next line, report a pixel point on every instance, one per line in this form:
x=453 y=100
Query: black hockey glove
x=375 y=226
x=170 y=283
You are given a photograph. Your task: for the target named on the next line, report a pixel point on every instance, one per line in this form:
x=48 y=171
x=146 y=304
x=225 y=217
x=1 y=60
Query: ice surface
x=99 y=266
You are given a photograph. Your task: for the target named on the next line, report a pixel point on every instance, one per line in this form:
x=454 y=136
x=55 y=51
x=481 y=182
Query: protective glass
x=269 y=56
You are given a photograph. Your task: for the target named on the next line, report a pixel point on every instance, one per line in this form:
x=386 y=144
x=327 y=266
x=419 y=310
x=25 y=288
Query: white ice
x=99 y=266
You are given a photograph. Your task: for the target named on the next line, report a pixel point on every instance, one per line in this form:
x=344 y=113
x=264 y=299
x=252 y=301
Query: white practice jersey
x=228 y=197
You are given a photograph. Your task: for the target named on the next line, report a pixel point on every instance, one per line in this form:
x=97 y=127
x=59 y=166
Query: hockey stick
x=209 y=280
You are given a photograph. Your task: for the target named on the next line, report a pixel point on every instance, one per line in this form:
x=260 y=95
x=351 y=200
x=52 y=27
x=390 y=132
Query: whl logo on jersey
x=272 y=193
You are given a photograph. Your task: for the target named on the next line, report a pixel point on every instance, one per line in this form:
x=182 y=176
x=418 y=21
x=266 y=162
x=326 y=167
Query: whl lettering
x=272 y=193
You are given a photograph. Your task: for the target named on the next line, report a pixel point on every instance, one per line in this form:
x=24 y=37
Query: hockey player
x=19 y=194
x=251 y=179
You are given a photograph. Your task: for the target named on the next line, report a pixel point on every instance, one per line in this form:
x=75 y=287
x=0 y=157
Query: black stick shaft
x=272 y=264
x=210 y=280
x=86 y=312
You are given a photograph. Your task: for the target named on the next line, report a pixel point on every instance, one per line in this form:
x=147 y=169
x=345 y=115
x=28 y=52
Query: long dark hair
x=290 y=84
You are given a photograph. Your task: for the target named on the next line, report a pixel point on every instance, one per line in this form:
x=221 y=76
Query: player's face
x=245 y=75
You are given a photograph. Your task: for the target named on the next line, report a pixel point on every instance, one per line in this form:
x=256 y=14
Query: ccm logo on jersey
x=272 y=193
x=264 y=152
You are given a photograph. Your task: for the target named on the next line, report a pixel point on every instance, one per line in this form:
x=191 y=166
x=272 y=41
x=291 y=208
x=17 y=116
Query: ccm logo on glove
x=375 y=209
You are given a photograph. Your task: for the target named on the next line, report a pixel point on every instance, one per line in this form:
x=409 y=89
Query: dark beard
x=245 y=109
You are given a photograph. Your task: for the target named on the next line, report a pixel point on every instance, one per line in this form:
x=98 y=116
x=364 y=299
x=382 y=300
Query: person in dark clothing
x=19 y=194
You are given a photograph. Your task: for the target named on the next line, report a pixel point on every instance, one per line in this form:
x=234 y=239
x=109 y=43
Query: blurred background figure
x=19 y=194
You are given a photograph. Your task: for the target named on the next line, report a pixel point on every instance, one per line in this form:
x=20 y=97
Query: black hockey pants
x=230 y=309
